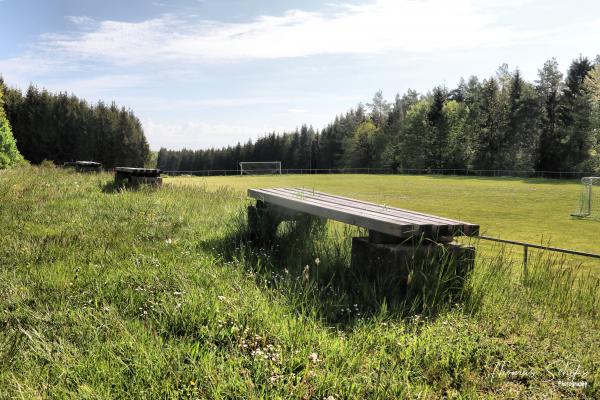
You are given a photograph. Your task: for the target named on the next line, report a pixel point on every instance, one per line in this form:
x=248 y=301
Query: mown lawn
x=150 y=294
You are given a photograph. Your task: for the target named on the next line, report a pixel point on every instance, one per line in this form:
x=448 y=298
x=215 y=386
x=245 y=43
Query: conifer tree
x=9 y=154
x=575 y=118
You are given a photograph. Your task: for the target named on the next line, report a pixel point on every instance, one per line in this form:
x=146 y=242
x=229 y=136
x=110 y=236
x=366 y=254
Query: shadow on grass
x=309 y=262
x=111 y=187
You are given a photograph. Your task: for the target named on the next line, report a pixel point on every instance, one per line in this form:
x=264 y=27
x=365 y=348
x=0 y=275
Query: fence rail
x=527 y=245
x=401 y=171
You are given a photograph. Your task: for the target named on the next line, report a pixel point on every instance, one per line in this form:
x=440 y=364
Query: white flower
x=306 y=273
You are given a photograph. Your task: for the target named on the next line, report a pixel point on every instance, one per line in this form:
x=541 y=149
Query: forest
x=500 y=123
x=61 y=127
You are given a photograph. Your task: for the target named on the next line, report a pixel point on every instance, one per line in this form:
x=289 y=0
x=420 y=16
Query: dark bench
x=133 y=177
x=399 y=241
x=84 y=166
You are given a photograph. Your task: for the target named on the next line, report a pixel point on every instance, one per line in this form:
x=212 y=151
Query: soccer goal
x=260 y=168
x=589 y=201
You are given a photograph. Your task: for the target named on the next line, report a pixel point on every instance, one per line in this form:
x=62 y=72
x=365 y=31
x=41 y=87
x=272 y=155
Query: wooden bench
x=133 y=177
x=379 y=219
x=84 y=166
x=398 y=239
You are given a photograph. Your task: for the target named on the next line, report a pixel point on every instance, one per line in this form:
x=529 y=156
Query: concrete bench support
x=264 y=219
x=402 y=270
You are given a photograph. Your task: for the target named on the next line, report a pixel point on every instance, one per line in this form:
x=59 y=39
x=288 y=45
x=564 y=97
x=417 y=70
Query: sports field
x=531 y=210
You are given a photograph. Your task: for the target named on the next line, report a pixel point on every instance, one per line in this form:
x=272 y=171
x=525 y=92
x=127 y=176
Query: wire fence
x=526 y=246
x=398 y=171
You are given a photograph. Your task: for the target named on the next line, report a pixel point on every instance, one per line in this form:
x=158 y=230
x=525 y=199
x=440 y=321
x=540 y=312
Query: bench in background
x=134 y=177
x=84 y=166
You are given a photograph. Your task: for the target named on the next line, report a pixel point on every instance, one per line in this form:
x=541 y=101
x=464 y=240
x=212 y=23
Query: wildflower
x=313 y=357
x=221 y=298
x=317 y=261
x=169 y=241
x=306 y=273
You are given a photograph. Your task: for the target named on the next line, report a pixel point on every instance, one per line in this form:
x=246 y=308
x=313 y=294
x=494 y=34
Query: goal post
x=260 y=167
x=589 y=200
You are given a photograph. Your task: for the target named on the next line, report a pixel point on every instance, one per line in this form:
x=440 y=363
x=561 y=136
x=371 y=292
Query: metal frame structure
x=586 y=202
x=277 y=163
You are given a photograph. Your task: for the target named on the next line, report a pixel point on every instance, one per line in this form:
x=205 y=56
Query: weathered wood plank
x=377 y=212
x=389 y=211
x=432 y=218
x=343 y=214
x=387 y=220
x=454 y=225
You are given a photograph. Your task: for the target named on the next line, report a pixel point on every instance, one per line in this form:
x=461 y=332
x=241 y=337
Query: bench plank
x=278 y=193
x=417 y=217
x=387 y=220
x=367 y=204
x=377 y=212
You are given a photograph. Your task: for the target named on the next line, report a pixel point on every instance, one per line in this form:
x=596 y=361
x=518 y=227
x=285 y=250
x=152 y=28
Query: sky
x=209 y=73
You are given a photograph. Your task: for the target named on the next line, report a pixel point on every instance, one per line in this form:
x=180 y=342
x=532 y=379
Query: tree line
x=501 y=123
x=61 y=127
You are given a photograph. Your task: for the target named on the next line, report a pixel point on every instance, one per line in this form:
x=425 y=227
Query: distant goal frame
x=274 y=170
x=589 y=200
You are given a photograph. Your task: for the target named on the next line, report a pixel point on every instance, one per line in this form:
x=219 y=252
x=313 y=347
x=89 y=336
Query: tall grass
x=157 y=294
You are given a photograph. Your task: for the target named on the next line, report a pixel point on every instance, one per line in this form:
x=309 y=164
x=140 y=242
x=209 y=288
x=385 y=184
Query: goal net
x=260 y=168
x=589 y=201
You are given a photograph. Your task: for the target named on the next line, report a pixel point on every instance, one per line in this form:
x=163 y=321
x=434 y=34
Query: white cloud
x=199 y=135
x=382 y=26
x=93 y=87
x=297 y=111
x=22 y=70
x=79 y=20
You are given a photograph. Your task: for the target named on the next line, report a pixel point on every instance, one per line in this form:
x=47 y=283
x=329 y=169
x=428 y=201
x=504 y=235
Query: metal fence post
x=525 y=256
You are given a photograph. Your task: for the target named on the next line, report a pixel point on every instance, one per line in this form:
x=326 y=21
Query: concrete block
x=403 y=271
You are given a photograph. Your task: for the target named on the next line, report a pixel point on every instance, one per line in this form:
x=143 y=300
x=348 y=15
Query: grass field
x=533 y=210
x=150 y=294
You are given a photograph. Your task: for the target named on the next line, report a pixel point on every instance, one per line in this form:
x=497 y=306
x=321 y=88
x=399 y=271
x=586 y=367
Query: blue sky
x=203 y=73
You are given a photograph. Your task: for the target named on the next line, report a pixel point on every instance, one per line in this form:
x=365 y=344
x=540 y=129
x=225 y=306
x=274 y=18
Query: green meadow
x=531 y=210
x=155 y=293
